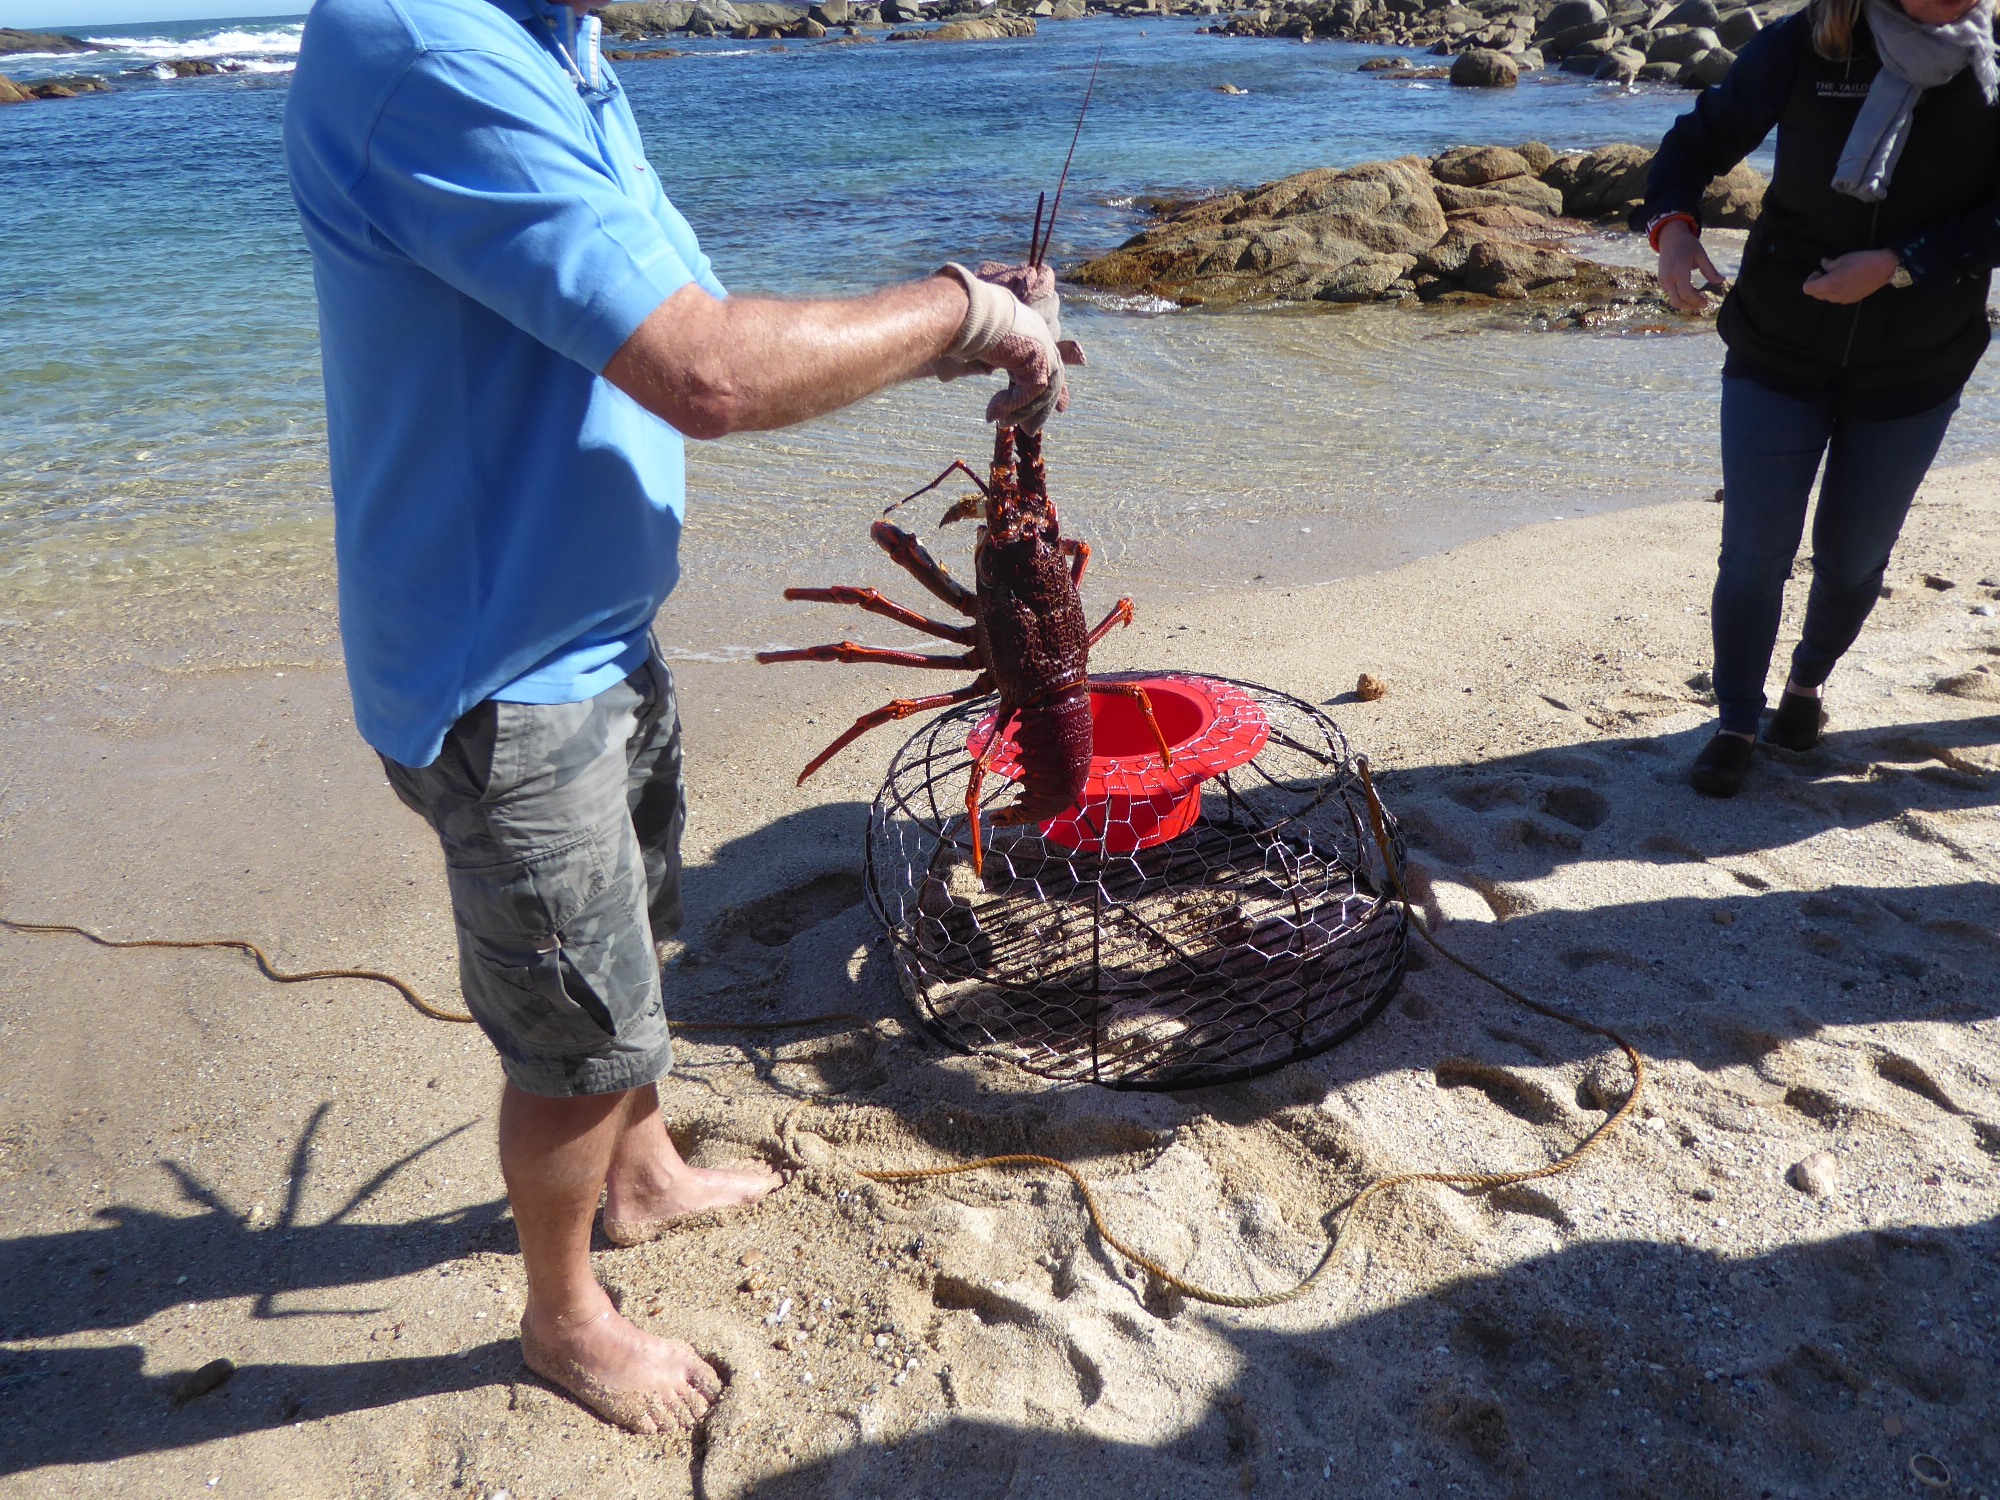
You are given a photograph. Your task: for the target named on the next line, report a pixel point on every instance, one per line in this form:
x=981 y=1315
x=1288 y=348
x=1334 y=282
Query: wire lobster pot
x=1178 y=928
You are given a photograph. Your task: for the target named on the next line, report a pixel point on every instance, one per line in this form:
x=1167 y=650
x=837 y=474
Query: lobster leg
x=877 y=603
x=977 y=780
x=1133 y=690
x=1078 y=554
x=849 y=652
x=1121 y=614
x=912 y=557
x=889 y=713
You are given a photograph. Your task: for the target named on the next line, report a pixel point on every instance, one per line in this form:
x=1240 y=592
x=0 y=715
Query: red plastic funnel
x=1132 y=800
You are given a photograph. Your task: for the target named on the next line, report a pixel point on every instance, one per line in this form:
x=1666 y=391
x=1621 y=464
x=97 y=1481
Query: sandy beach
x=198 y=1164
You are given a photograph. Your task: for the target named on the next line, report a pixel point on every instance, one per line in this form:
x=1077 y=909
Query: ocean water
x=160 y=405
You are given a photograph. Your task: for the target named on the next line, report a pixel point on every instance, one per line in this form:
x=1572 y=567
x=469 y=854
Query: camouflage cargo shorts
x=561 y=826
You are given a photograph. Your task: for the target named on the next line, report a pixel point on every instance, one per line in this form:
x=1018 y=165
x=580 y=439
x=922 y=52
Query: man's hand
x=1681 y=255
x=1013 y=324
x=1848 y=278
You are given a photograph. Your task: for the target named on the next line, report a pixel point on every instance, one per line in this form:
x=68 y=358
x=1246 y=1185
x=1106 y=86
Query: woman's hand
x=1848 y=278
x=1681 y=255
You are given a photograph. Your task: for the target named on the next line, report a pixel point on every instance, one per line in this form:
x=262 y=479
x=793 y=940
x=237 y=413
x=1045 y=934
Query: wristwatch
x=1901 y=277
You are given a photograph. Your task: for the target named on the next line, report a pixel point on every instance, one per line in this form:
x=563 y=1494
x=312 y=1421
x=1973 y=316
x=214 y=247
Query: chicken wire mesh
x=1263 y=933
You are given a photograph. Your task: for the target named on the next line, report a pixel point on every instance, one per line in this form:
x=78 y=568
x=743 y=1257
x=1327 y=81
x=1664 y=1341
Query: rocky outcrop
x=67 y=87
x=639 y=19
x=12 y=42
x=1689 y=42
x=979 y=29
x=1475 y=224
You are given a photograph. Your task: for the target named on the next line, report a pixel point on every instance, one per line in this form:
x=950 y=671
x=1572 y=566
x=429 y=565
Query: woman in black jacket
x=1858 y=315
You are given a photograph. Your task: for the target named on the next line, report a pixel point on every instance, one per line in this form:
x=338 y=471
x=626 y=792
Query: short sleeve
x=484 y=174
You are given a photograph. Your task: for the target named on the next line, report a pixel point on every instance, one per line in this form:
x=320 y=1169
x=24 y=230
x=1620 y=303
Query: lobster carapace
x=1028 y=640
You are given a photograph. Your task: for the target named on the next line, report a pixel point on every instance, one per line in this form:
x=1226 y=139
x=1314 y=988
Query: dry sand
x=196 y=1164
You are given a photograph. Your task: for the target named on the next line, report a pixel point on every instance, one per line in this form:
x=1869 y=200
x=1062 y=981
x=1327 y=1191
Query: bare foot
x=641 y=1205
x=629 y=1378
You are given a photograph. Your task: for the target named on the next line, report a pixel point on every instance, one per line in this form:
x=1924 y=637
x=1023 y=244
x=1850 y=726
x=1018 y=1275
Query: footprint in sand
x=1523 y=1098
x=1519 y=1198
x=1819 y=1380
x=1578 y=806
x=1484 y=796
x=1906 y=1074
x=1980 y=685
x=1818 y=1106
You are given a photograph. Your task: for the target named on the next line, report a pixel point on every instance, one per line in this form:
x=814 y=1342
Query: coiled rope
x=1398 y=890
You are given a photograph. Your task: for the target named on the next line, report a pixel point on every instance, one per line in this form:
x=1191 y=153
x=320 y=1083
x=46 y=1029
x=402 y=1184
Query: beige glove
x=1012 y=325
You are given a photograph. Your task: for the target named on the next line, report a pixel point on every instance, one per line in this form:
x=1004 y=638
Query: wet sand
x=195 y=1163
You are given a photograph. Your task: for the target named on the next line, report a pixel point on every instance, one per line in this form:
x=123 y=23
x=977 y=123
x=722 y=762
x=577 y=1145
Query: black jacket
x=1898 y=351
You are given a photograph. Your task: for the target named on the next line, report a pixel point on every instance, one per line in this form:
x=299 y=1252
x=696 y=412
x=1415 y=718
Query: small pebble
x=750 y=1258
x=1817 y=1176
x=1368 y=687
x=1723 y=918
x=1935 y=581
x=197 y=1383
x=1892 y=1427
x=1985 y=611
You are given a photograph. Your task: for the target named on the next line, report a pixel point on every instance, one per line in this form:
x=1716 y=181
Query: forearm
x=713 y=367
x=1727 y=123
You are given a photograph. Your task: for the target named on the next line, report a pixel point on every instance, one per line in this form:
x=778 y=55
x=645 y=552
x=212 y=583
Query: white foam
x=279 y=41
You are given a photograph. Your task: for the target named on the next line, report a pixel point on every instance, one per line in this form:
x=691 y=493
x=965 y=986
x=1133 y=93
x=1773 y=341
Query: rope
x=242 y=945
x=408 y=992
x=1479 y=1181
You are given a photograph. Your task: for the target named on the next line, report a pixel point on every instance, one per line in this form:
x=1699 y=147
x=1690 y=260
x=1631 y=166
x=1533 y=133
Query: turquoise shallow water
x=159 y=403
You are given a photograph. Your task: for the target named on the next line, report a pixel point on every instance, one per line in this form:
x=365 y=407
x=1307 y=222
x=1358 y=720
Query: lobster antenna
x=1039 y=251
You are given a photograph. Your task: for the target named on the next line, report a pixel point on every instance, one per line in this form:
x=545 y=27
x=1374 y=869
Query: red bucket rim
x=1232 y=731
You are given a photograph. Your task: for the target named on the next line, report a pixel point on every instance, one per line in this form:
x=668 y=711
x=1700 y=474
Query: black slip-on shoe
x=1720 y=768
x=1798 y=722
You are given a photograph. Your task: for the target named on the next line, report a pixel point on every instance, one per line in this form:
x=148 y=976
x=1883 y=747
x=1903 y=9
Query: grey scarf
x=1915 y=57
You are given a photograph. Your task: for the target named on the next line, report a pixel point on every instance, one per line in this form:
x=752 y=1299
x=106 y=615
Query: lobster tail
x=1054 y=740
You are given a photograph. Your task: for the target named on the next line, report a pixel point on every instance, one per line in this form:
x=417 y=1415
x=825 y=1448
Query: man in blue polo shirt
x=517 y=327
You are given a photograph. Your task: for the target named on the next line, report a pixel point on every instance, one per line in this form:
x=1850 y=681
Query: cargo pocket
x=527 y=940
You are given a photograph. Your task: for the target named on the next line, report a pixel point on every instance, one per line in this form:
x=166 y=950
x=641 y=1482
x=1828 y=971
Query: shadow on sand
x=1674 y=1361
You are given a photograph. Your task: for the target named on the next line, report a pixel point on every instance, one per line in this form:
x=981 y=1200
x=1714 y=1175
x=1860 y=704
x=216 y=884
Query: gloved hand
x=1014 y=325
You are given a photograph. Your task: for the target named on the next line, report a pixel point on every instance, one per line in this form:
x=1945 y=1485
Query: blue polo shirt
x=484 y=238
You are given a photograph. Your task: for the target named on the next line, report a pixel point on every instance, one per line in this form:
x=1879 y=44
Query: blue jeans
x=1771 y=449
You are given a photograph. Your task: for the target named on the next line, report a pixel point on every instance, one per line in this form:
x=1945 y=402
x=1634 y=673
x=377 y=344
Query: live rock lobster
x=1027 y=638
